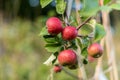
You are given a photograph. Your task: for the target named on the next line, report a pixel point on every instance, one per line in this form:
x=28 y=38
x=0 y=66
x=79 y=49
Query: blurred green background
x=22 y=51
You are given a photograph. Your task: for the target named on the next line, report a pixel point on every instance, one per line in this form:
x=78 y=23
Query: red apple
x=57 y=68
x=67 y=57
x=95 y=50
x=69 y=33
x=54 y=26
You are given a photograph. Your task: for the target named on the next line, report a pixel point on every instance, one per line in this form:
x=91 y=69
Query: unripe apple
x=95 y=50
x=54 y=26
x=67 y=57
x=91 y=59
x=69 y=33
x=57 y=68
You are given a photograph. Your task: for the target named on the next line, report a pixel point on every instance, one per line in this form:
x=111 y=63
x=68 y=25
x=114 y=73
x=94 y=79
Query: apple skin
x=67 y=57
x=57 y=68
x=69 y=33
x=95 y=50
x=54 y=26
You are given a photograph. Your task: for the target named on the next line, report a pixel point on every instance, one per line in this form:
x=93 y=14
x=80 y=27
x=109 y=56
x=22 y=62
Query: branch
x=81 y=36
x=87 y=20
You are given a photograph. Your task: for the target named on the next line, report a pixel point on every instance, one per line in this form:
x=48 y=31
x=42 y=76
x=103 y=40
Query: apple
x=95 y=50
x=57 y=68
x=54 y=26
x=69 y=33
x=67 y=57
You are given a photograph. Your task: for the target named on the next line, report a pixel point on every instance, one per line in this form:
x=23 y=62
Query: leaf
x=60 y=6
x=90 y=8
x=84 y=52
x=53 y=47
x=105 y=8
x=49 y=61
x=44 y=3
x=50 y=38
x=115 y=6
x=99 y=32
x=79 y=42
x=85 y=30
x=43 y=31
x=106 y=1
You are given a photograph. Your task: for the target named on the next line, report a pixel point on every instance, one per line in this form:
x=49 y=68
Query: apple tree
x=78 y=36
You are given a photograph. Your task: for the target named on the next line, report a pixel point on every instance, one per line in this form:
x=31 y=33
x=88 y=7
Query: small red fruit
x=95 y=50
x=57 y=68
x=69 y=33
x=54 y=26
x=91 y=59
x=67 y=57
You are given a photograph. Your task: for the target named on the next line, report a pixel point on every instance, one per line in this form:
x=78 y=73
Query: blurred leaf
x=79 y=42
x=105 y=8
x=90 y=8
x=99 y=32
x=85 y=30
x=50 y=38
x=43 y=31
x=53 y=47
x=48 y=62
x=115 y=6
x=73 y=44
x=85 y=61
x=106 y=1
x=60 y=6
x=84 y=52
x=44 y=3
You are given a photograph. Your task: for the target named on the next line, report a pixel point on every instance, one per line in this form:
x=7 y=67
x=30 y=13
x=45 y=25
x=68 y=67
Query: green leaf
x=60 y=6
x=44 y=3
x=50 y=38
x=105 y=8
x=99 y=32
x=73 y=44
x=49 y=61
x=85 y=30
x=90 y=8
x=84 y=52
x=53 y=47
x=106 y=1
x=43 y=31
x=79 y=42
x=115 y=6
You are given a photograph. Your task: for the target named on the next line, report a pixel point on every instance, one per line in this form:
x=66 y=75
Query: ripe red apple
x=95 y=50
x=57 y=68
x=67 y=57
x=91 y=59
x=54 y=26
x=69 y=33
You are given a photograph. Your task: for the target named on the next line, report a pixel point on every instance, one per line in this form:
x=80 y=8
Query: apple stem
x=87 y=20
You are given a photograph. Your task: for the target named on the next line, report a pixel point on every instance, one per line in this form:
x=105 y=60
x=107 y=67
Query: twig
x=87 y=20
x=50 y=77
x=81 y=36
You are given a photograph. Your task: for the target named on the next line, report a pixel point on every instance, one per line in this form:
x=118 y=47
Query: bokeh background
x=22 y=50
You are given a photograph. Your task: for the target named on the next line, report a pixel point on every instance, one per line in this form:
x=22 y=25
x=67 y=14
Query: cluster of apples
x=68 y=57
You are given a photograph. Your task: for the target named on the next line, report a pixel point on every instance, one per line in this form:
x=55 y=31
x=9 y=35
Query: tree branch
x=87 y=20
